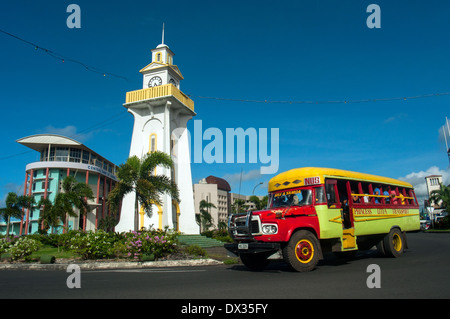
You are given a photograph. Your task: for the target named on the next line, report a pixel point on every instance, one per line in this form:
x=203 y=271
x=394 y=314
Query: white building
x=433 y=183
x=214 y=190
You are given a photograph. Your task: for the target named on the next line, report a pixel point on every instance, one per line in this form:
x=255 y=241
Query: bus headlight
x=269 y=229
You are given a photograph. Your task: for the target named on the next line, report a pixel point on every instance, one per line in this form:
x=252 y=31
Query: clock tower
x=161 y=112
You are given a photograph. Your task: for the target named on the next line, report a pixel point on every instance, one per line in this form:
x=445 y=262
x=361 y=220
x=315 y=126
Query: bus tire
x=394 y=243
x=255 y=262
x=302 y=252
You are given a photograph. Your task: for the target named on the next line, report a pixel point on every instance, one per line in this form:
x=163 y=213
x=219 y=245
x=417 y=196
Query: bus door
x=337 y=199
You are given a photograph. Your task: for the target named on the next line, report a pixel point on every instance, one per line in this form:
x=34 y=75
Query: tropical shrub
x=158 y=243
x=92 y=245
x=23 y=248
x=4 y=245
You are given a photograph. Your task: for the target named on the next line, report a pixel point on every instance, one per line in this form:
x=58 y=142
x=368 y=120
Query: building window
x=85 y=157
x=75 y=155
x=99 y=163
x=153 y=141
x=92 y=160
x=61 y=154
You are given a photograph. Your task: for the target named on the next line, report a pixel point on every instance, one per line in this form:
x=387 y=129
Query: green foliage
x=195 y=250
x=219 y=234
x=4 y=245
x=23 y=248
x=92 y=245
x=137 y=175
x=441 y=196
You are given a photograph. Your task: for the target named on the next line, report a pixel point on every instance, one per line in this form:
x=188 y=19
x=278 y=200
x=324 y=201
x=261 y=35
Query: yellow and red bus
x=314 y=210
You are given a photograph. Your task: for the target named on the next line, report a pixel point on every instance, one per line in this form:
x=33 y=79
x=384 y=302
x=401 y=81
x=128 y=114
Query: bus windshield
x=291 y=198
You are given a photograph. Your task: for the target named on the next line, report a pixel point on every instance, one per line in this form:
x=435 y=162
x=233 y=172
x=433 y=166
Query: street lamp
x=253 y=193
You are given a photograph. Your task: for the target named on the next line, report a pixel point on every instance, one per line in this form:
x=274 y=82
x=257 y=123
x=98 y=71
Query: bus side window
x=331 y=195
x=320 y=195
x=365 y=190
x=411 y=194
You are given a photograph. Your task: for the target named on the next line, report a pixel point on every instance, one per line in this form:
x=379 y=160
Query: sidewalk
x=112 y=265
x=216 y=256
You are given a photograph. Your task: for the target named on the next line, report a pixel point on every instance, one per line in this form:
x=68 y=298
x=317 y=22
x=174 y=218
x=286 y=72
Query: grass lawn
x=47 y=250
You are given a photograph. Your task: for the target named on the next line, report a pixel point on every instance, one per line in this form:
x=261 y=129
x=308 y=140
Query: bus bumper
x=253 y=248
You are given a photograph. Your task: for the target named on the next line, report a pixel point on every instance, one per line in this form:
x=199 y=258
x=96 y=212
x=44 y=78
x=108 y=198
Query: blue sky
x=239 y=50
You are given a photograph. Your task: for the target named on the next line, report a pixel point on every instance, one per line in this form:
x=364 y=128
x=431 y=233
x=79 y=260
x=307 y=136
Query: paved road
x=422 y=272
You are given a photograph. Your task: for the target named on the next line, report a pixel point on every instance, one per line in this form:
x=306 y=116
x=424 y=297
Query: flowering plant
x=23 y=248
x=158 y=243
x=92 y=245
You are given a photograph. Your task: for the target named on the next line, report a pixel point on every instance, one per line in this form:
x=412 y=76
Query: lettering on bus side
x=362 y=211
x=400 y=211
x=312 y=180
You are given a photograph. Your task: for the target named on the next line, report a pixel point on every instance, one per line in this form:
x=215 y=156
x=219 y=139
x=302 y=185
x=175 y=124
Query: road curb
x=114 y=265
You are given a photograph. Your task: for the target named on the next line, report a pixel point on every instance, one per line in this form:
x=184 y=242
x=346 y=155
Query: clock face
x=172 y=81
x=154 y=81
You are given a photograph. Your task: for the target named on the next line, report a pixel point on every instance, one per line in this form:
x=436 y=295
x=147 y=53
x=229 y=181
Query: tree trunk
x=136 y=214
x=7 y=227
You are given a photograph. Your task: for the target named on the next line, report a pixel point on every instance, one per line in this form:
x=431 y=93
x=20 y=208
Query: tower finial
x=163 y=34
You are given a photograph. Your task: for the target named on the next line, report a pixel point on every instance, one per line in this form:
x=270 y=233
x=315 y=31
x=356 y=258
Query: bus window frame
x=315 y=203
x=296 y=189
x=337 y=204
x=410 y=202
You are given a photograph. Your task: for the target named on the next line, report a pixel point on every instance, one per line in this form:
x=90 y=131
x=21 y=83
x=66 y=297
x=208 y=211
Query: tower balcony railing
x=159 y=91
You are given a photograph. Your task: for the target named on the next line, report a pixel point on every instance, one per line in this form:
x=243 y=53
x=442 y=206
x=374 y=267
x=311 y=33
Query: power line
x=62 y=58
x=108 y=121
x=403 y=98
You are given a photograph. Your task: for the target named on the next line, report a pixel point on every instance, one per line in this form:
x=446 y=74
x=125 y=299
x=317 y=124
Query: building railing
x=159 y=91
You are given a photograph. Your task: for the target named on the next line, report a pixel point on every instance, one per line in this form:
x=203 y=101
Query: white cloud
x=417 y=179
x=246 y=176
x=68 y=131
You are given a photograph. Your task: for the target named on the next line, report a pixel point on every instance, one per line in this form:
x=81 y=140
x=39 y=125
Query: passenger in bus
x=366 y=198
x=402 y=199
x=345 y=211
x=376 y=191
x=393 y=197
x=355 y=198
x=386 y=199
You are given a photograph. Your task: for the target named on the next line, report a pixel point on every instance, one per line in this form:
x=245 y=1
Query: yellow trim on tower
x=159 y=91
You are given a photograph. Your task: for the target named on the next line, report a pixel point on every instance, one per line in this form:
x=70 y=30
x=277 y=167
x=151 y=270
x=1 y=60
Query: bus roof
x=316 y=175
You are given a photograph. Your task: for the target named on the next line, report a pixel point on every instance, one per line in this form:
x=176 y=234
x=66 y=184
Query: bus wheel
x=302 y=251
x=394 y=243
x=256 y=262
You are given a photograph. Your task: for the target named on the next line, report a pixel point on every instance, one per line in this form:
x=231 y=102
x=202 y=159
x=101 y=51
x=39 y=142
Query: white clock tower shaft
x=161 y=112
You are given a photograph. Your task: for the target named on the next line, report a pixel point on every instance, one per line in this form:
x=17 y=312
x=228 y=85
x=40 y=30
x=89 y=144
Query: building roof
x=40 y=142
x=221 y=183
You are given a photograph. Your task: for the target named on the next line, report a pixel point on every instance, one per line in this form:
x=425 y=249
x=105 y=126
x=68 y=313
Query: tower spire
x=163 y=34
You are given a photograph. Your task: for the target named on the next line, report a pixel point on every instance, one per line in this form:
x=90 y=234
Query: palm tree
x=77 y=194
x=74 y=195
x=259 y=203
x=138 y=176
x=441 y=197
x=238 y=206
x=204 y=219
x=14 y=204
x=52 y=214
